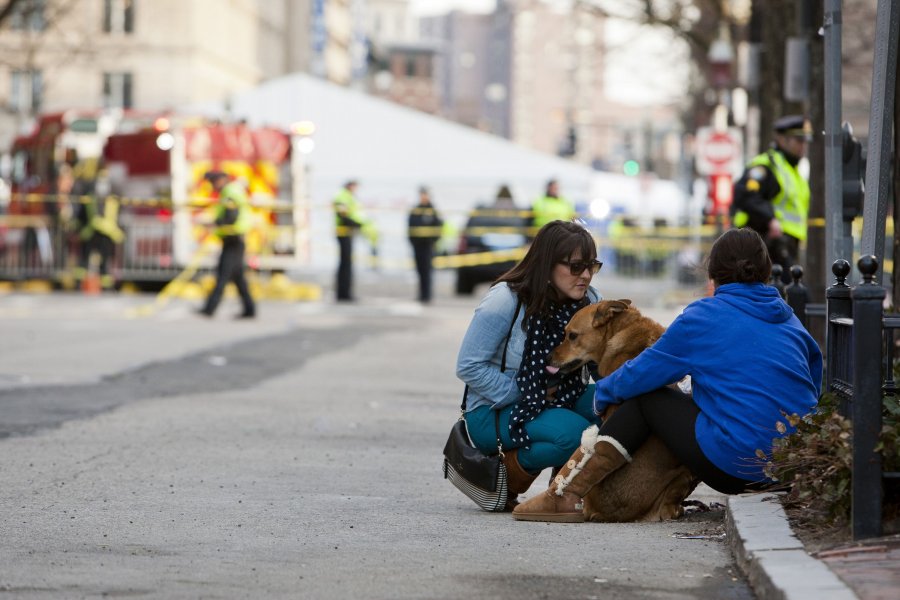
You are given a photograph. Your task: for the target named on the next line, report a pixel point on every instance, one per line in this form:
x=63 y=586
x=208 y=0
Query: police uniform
x=424 y=230
x=349 y=219
x=773 y=188
x=232 y=218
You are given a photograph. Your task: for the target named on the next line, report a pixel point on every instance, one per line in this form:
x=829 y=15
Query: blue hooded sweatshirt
x=749 y=359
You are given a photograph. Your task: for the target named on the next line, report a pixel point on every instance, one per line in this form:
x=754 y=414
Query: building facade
x=532 y=71
x=143 y=54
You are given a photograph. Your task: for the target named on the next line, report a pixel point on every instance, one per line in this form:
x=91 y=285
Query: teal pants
x=555 y=433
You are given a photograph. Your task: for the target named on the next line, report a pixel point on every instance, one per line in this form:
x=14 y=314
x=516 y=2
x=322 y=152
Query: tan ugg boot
x=518 y=479
x=598 y=456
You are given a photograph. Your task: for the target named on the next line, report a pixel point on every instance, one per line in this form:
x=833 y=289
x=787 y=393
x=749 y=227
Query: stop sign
x=719 y=152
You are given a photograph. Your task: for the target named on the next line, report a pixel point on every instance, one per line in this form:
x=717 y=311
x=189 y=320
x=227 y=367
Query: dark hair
x=739 y=256
x=550 y=184
x=556 y=241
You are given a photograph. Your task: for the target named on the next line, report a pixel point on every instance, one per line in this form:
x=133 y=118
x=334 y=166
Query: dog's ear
x=607 y=310
x=624 y=301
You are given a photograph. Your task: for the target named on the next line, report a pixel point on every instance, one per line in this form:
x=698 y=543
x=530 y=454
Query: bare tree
x=8 y=8
x=48 y=48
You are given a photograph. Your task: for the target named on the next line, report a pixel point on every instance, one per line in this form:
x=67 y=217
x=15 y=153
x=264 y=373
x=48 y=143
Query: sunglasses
x=577 y=267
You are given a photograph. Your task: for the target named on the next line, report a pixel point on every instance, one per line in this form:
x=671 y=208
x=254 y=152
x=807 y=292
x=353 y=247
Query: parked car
x=488 y=229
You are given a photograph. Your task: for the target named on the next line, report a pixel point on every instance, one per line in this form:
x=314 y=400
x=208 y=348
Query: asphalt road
x=296 y=456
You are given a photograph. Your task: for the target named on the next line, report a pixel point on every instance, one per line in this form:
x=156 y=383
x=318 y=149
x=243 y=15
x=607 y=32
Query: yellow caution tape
x=478 y=258
x=273 y=204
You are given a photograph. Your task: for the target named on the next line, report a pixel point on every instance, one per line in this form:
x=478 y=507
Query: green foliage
x=814 y=463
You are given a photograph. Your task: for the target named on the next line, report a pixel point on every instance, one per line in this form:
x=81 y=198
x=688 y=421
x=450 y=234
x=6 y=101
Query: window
x=28 y=15
x=26 y=90
x=118 y=16
x=117 y=90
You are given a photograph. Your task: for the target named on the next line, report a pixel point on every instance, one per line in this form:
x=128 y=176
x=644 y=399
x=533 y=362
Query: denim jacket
x=478 y=363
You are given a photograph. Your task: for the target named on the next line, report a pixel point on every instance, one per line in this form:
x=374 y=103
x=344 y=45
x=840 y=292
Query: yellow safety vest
x=232 y=198
x=347 y=203
x=548 y=209
x=792 y=202
x=103 y=221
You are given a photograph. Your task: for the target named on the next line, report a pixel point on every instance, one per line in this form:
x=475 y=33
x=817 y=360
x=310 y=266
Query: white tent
x=392 y=150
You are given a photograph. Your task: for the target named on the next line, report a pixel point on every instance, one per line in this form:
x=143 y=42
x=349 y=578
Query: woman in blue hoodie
x=751 y=363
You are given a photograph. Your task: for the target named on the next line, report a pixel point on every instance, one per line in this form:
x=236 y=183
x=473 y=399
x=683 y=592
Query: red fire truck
x=34 y=240
x=158 y=174
x=155 y=168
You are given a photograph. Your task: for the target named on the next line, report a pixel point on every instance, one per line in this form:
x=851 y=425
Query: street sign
x=719 y=152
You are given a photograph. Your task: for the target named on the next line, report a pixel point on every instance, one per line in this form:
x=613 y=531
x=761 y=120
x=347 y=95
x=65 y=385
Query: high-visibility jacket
x=551 y=208
x=348 y=213
x=424 y=224
x=791 y=204
x=102 y=216
x=232 y=211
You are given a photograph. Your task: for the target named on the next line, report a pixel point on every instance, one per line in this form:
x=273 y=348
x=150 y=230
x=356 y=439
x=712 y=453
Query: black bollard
x=866 y=482
x=797 y=294
x=775 y=279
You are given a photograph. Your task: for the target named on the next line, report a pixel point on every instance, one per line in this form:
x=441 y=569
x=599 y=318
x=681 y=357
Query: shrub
x=814 y=464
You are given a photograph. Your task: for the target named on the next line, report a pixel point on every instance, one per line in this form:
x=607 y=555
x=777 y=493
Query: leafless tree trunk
x=7 y=8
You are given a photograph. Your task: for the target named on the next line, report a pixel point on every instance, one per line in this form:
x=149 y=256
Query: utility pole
x=817 y=269
x=834 y=222
x=881 y=121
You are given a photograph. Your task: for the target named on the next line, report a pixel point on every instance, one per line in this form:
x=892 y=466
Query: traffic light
x=631 y=168
x=854 y=167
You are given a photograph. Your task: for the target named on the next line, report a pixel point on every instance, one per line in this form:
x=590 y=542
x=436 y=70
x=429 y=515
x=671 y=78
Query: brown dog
x=653 y=486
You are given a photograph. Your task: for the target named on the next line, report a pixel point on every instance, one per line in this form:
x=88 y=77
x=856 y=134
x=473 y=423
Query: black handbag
x=481 y=477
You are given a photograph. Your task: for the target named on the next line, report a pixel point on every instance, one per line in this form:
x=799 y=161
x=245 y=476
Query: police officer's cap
x=211 y=176
x=794 y=126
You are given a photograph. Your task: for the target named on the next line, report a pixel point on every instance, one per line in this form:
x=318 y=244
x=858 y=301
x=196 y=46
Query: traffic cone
x=90 y=285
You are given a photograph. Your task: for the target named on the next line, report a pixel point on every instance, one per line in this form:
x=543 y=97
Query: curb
x=770 y=555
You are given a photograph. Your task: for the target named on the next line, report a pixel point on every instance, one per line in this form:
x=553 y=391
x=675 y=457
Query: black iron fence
x=859 y=370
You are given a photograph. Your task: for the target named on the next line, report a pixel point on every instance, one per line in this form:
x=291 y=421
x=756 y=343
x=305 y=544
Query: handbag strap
x=502 y=369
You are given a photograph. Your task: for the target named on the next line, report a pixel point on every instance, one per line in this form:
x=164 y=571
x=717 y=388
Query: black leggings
x=671 y=415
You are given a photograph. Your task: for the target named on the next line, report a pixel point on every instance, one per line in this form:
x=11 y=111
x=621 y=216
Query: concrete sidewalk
x=66 y=339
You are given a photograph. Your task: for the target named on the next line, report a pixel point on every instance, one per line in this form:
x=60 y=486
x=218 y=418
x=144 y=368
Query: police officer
x=551 y=207
x=772 y=197
x=424 y=231
x=232 y=219
x=349 y=219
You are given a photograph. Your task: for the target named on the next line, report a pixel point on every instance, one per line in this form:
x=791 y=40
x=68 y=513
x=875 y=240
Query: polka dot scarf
x=543 y=335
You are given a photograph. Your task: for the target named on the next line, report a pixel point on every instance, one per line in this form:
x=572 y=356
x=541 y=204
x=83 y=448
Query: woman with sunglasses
x=537 y=416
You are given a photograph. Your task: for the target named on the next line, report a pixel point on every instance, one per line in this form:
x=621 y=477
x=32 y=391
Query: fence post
x=797 y=294
x=837 y=306
x=868 y=315
x=775 y=279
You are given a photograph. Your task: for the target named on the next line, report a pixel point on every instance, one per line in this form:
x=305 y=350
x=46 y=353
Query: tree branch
x=6 y=10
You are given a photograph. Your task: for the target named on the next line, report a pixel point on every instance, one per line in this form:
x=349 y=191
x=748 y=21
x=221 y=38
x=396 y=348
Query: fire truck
x=63 y=137
x=157 y=173
x=155 y=168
